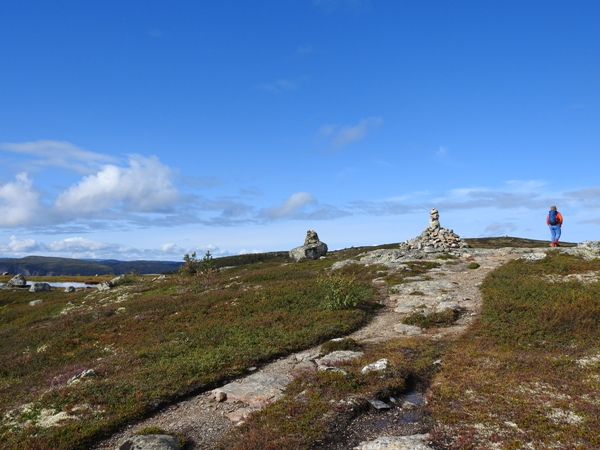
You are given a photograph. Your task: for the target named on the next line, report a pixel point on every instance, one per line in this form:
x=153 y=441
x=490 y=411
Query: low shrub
x=341 y=291
x=341 y=344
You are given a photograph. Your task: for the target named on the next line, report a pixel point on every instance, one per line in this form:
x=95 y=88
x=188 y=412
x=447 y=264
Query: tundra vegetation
x=146 y=343
x=525 y=376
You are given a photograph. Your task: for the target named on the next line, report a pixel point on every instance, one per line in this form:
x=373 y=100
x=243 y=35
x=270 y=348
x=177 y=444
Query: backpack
x=552 y=217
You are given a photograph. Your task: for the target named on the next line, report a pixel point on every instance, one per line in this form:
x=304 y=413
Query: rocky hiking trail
x=206 y=417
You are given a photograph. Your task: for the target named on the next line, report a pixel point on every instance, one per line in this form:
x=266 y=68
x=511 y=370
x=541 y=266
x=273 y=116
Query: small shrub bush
x=474 y=265
x=341 y=291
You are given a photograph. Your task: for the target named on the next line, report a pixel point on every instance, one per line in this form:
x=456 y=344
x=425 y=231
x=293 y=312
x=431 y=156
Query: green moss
x=337 y=345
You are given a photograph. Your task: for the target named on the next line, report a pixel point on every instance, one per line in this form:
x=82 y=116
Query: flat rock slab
x=336 y=357
x=429 y=287
x=256 y=390
x=407 y=330
x=150 y=442
x=414 y=442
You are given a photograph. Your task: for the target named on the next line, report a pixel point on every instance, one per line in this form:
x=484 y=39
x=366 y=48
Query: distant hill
x=50 y=266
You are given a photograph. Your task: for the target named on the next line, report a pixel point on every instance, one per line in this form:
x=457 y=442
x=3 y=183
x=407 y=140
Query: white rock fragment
x=377 y=366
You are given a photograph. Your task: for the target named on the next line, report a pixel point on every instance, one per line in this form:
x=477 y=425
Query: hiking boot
x=556 y=243
x=552 y=244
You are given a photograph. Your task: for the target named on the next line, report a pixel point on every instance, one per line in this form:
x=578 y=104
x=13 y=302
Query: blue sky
x=148 y=129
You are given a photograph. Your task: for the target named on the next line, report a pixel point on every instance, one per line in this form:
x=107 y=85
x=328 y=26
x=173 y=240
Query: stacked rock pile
x=434 y=238
x=313 y=248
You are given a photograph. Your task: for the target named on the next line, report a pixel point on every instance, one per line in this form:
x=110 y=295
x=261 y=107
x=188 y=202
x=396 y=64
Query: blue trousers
x=555 y=232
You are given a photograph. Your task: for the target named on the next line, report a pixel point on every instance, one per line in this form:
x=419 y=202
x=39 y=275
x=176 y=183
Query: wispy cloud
x=59 y=154
x=499 y=229
x=278 y=86
x=341 y=136
x=291 y=206
x=441 y=152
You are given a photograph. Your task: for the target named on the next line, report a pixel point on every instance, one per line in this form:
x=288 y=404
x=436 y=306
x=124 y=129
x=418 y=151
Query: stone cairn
x=313 y=248
x=434 y=238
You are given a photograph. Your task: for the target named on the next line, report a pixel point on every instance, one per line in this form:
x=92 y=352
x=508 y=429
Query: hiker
x=554 y=221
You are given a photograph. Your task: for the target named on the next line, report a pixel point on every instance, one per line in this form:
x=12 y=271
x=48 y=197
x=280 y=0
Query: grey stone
x=256 y=390
x=428 y=287
x=378 y=404
x=69 y=289
x=35 y=302
x=17 y=281
x=85 y=374
x=117 y=280
x=407 y=330
x=533 y=256
x=414 y=442
x=332 y=369
x=150 y=442
x=104 y=286
x=39 y=287
x=312 y=251
x=377 y=366
x=313 y=248
x=337 y=356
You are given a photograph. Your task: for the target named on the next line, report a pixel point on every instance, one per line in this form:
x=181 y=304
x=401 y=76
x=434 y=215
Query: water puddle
x=63 y=284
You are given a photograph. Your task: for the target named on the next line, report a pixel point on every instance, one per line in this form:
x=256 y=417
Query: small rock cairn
x=434 y=238
x=313 y=248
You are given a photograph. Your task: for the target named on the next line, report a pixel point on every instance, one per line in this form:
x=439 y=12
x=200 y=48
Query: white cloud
x=59 y=154
x=247 y=252
x=170 y=248
x=77 y=245
x=19 y=245
x=143 y=186
x=344 y=135
x=291 y=205
x=18 y=201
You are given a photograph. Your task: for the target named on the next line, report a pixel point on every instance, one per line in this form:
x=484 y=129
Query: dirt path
x=205 y=421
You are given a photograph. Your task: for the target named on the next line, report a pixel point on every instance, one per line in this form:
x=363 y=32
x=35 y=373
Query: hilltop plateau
x=366 y=347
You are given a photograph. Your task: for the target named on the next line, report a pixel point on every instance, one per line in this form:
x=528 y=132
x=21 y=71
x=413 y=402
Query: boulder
x=39 y=287
x=104 y=286
x=17 y=281
x=150 y=442
x=414 y=442
x=69 y=289
x=313 y=248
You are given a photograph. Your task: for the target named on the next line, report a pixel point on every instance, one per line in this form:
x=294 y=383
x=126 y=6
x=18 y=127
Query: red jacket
x=558 y=216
